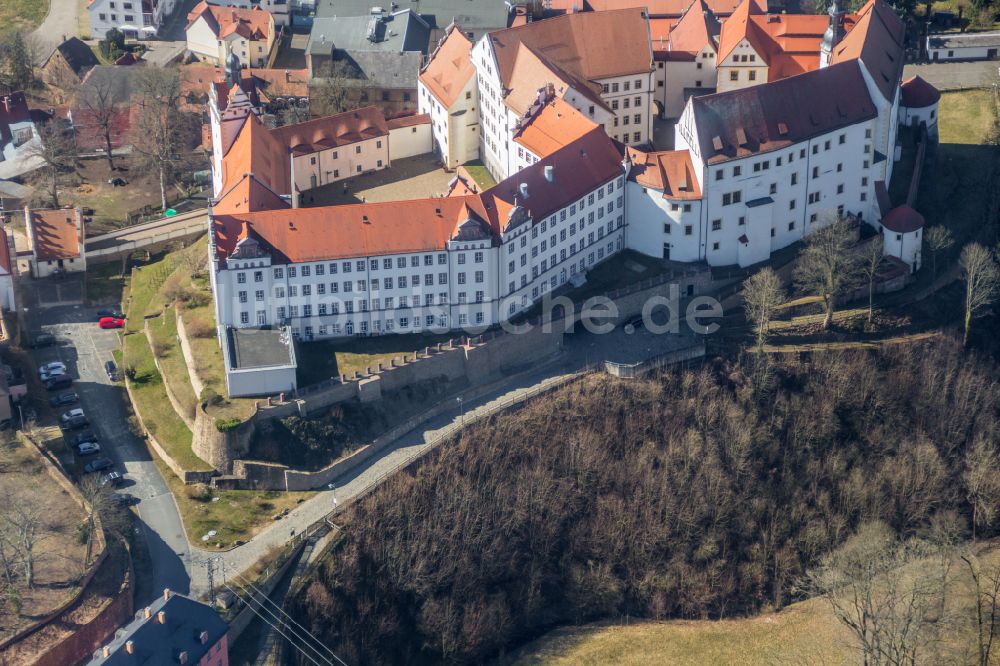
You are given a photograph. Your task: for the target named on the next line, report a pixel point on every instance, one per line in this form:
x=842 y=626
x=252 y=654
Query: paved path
x=85 y=348
x=955 y=75
x=582 y=349
x=62 y=21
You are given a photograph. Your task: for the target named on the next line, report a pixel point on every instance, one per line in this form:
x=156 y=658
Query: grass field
x=21 y=16
x=965 y=117
x=803 y=633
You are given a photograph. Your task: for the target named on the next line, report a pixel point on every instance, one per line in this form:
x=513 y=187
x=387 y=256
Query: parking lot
x=85 y=348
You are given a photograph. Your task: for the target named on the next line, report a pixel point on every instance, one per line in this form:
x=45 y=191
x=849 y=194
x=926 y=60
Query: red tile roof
x=255 y=150
x=568 y=42
x=449 y=67
x=670 y=171
x=5 y=264
x=903 y=219
x=270 y=84
x=769 y=117
x=657 y=8
x=332 y=131
x=252 y=24
x=408 y=120
x=876 y=40
x=13 y=109
x=695 y=30
x=55 y=235
x=90 y=134
x=918 y=94
x=247 y=195
x=554 y=125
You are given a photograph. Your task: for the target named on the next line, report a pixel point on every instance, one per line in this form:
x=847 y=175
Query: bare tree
x=98 y=98
x=160 y=132
x=329 y=95
x=981 y=476
x=59 y=156
x=982 y=280
x=827 y=266
x=24 y=532
x=105 y=513
x=986 y=589
x=762 y=294
x=872 y=259
x=869 y=593
x=17 y=58
x=938 y=239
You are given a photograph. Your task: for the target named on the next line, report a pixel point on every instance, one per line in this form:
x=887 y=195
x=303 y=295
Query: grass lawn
x=319 y=361
x=21 y=16
x=479 y=173
x=163 y=330
x=965 y=117
x=236 y=516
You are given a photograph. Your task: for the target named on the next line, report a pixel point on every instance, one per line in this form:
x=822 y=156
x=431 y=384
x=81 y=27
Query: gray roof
x=469 y=14
x=393 y=33
x=259 y=348
x=118 y=78
x=387 y=70
x=965 y=40
x=78 y=55
x=156 y=644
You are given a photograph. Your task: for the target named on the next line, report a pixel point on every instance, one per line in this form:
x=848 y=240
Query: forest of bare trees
x=698 y=494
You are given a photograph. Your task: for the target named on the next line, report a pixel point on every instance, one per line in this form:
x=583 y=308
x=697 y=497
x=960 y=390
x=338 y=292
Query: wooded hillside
x=689 y=495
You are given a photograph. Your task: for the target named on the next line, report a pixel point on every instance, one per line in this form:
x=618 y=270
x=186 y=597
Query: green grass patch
x=319 y=361
x=966 y=117
x=167 y=350
x=151 y=402
x=21 y=16
x=479 y=173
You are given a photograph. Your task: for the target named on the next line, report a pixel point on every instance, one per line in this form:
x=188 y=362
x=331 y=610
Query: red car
x=111 y=322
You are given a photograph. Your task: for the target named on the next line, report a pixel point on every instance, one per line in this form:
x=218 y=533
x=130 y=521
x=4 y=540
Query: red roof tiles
x=918 y=94
x=54 y=234
x=903 y=219
x=449 y=68
x=332 y=131
x=670 y=171
x=555 y=125
x=876 y=40
x=252 y=24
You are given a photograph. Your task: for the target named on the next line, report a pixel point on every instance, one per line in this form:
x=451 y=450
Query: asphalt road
x=61 y=22
x=84 y=348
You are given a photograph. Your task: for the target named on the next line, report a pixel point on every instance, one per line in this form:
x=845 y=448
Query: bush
x=210 y=396
x=225 y=425
x=158 y=347
x=198 y=328
x=199 y=492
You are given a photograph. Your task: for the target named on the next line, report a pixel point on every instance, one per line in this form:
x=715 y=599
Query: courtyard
x=410 y=178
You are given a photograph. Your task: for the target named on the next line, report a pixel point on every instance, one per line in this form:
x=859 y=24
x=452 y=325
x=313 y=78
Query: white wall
x=410 y=141
x=963 y=53
x=744 y=62
x=907 y=247
x=328 y=166
x=655 y=222
x=201 y=41
x=681 y=74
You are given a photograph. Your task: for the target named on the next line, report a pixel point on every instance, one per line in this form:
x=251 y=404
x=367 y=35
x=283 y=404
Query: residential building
x=686 y=59
x=174 y=629
x=447 y=91
x=213 y=33
x=138 y=19
x=55 y=240
x=67 y=66
x=963 y=45
x=19 y=139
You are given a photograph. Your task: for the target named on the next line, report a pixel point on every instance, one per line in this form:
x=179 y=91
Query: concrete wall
x=217 y=448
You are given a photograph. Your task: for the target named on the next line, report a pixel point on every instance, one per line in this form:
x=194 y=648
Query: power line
x=269 y=623
x=246 y=581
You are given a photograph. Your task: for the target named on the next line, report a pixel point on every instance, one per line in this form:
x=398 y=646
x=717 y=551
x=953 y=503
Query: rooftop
x=669 y=171
x=876 y=40
x=251 y=24
x=472 y=14
x=450 y=67
x=169 y=626
x=548 y=126
x=259 y=348
x=77 y=54
x=957 y=40
x=903 y=219
x=332 y=131
x=397 y=32
x=55 y=234
x=918 y=94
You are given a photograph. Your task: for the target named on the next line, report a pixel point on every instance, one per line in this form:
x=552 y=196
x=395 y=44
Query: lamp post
x=461 y=407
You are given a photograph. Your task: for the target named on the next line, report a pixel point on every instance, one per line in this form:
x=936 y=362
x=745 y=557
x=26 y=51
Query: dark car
x=112 y=370
x=67 y=398
x=114 y=478
x=87 y=437
x=124 y=499
x=56 y=382
x=109 y=312
x=43 y=340
x=98 y=465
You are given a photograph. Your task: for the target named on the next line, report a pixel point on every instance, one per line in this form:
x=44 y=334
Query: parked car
x=53 y=368
x=42 y=340
x=87 y=437
x=98 y=465
x=124 y=499
x=113 y=478
x=112 y=370
x=56 y=382
x=88 y=448
x=109 y=312
x=633 y=324
x=111 y=322
x=74 y=419
x=67 y=398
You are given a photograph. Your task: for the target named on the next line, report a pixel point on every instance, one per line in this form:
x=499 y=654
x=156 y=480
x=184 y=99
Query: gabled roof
x=657 y=8
x=54 y=234
x=408 y=120
x=589 y=46
x=903 y=219
x=876 y=40
x=450 y=67
x=670 y=171
x=332 y=131
x=553 y=125
x=398 y=32
x=918 y=94
x=253 y=24
x=769 y=117
x=739 y=27
x=248 y=194
x=77 y=55
x=273 y=83
x=578 y=169
x=13 y=110
x=695 y=30
x=256 y=151
x=531 y=74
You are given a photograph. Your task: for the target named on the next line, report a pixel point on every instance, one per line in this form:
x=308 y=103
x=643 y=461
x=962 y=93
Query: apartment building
x=213 y=33
x=447 y=90
x=138 y=19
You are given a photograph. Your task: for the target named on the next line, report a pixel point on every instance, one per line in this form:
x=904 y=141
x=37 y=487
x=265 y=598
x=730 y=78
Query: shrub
x=199 y=492
x=225 y=425
x=198 y=328
x=209 y=396
x=158 y=347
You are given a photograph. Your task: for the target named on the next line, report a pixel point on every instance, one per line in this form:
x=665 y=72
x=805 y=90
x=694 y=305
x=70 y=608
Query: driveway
x=62 y=22
x=84 y=348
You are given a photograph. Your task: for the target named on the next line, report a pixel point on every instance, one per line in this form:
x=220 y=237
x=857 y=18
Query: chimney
x=161 y=617
x=550 y=174
x=182 y=658
x=550 y=90
x=524 y=190
x=106 y=651
x=147 y=613
x=203 y=637
x=130 y=647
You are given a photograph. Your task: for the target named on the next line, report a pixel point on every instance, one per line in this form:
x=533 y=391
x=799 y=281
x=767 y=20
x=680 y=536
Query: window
x=840 y=189
x=718 y=174
x=737 y=170
x=687 y=230
x=791 y=205
x=842 y=139
x=716 y=225
x=241 y=278
x=791 y=226
x=752 y=76
x=279 y=273
x=774 y=188
x=243 y=297
x=244 y=317
x=742 y=221
x=259 y=295
x=732 y=198
x=715 y=245
x=815 y=172
x=734 y=75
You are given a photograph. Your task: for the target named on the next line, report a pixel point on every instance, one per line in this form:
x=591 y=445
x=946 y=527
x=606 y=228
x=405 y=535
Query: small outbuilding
x=919 y=104
x=903 y=235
